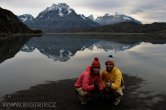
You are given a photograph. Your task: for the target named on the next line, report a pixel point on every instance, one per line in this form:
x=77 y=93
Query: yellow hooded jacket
x=115 y=76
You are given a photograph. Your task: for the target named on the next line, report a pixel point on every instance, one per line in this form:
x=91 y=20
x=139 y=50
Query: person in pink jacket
x=89 y=81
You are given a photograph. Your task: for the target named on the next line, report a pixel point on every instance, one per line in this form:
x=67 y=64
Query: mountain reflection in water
x=27 y=62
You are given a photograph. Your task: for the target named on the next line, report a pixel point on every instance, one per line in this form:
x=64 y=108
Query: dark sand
x=62 y=92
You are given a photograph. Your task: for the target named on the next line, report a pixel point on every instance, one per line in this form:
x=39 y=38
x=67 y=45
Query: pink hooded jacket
x=86 y=80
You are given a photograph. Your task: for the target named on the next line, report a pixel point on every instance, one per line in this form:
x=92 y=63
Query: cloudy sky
x=147 y=11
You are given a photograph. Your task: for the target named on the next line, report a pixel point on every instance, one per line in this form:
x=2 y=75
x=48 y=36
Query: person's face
x=109 y=67
x=96 y=70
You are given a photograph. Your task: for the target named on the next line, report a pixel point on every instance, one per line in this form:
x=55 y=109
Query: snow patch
x=126 y=18
x=69 y=11
x=24 y=19
x=61 y=14
x=82 y=16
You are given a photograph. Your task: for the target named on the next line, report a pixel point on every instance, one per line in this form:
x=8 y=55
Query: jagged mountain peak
x=91 y=17
x=115 y=19
x=61 y=18
x=26 y=17
x=61 y=8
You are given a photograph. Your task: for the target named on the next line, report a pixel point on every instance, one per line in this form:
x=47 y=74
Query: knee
x=81 y=92
x=120 y=92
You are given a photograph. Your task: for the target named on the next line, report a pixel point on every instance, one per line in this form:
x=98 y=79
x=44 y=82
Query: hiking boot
x=83 y=102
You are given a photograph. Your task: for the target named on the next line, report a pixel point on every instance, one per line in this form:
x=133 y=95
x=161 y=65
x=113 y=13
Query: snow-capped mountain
x=26 y=18
x=61 y=9
x=61 y=18
x=115 y=19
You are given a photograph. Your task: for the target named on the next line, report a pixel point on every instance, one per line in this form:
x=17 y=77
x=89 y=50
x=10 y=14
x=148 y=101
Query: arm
x=78 y=81
x=102 y=77
x=117 y=82
x=86 y=86
x=100 y=83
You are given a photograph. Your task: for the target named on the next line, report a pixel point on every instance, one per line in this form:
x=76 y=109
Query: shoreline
x=75 y=33
x=117 y=37
x=62 y=92
x=93 y=33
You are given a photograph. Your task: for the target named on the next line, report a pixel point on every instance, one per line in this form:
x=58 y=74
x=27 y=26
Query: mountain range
x=58 y=18
x=113 y=19
x=61 y=18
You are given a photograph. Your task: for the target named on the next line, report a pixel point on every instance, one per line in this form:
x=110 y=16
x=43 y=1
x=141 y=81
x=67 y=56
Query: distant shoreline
x=2 y=35
x=120 y=37
x=92 y=33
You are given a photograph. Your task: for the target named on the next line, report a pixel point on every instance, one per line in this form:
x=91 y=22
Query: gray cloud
x=136 y=11
x=104 y=4
x=21 y=3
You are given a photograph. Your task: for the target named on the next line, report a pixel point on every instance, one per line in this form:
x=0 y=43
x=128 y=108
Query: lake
x=31 y=61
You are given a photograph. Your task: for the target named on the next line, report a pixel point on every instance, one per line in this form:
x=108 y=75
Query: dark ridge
x=10 y=24
x=131 y=27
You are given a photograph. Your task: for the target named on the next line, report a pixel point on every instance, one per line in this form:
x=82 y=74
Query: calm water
x=25 y=63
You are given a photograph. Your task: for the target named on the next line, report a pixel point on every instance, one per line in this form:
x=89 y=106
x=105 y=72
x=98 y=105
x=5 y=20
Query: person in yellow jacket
x=112 y=79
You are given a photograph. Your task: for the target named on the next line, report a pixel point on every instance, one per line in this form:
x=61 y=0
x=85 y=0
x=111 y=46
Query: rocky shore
x=63 y=95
